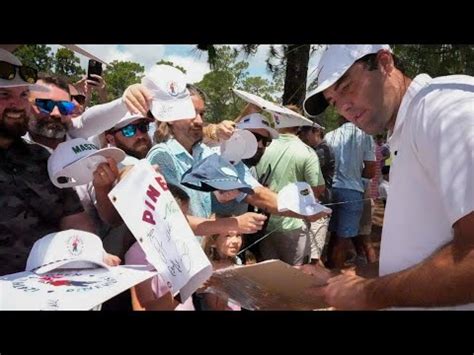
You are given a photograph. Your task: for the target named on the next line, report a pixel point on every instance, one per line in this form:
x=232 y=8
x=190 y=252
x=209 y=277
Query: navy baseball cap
x=214 y=173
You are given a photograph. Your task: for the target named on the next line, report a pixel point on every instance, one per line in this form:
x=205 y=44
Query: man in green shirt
x=291 y=160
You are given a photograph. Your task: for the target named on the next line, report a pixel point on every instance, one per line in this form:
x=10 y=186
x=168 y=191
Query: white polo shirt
x=432 y=173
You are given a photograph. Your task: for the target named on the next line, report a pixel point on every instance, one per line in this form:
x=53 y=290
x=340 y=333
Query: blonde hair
x=209 y=241
x=162 y=133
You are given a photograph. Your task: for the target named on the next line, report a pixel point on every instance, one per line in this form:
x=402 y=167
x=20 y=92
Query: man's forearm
x=106 y=209
x=205 y=226
x=441 y=280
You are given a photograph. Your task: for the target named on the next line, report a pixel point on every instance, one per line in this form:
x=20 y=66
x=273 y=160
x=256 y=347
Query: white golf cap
x=129 y=118
x=69 y=249
x=241 y=145
x=334 y=62
x=74 y=161
x=299 y=198
x=257 y=121
x=171 y=100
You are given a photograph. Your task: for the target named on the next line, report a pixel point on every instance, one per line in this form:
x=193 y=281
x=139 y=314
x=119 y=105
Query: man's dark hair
x=370 y=60
x=56 y=81
x=306 y=129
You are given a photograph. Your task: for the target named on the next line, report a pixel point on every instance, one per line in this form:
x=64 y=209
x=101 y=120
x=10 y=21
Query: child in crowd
x=222 y=250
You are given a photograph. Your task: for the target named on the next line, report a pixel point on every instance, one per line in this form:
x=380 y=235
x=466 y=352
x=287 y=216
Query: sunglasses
x=47 y=106
x=8 y=72
x=131 y=129
x=81 y=99
x=265 y=140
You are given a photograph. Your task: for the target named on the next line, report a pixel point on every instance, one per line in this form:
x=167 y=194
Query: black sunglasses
x=131 y=129
x=265 y=140
x=81 y=99
x=8 y=72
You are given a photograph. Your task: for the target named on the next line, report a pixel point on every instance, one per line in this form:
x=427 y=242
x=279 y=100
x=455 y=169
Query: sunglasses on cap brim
x=8 y=71
x=81 y=99
x=47 y=106
x=131 y=129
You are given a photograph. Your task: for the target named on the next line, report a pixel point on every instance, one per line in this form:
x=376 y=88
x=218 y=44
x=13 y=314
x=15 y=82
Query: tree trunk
x=297 y=58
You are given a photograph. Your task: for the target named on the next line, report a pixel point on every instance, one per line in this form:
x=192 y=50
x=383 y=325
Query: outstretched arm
x=444 y=279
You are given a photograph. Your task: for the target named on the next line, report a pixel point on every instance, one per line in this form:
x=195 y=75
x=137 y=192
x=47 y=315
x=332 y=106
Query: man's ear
x=385 y=61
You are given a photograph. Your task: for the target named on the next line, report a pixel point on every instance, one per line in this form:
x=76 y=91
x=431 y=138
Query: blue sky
x=195 y=62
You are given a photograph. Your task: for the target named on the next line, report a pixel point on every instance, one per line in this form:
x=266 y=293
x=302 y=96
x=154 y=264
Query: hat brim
x=80 y=173
x=74 y=263
x=173 y=110
x=273 y=133
x=315 y=103
x=241 y=145
x=228 y=186
x=309 y=210
x=18 y=82
x=131 y=119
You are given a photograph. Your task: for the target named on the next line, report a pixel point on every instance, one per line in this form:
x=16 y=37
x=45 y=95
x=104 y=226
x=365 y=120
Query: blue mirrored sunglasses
x=47 y=106
x=131 y=129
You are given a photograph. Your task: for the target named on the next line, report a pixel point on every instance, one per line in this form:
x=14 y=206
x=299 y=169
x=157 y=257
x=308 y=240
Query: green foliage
x=67 y=65
x=167 y=62
x=37 y=56
x=436 y=59
x=119 y=75
x=227 y=73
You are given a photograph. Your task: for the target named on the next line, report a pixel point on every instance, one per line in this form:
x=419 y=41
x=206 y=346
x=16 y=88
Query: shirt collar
x=417 y=84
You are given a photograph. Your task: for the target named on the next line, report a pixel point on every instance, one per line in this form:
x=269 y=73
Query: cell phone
x=94 y=67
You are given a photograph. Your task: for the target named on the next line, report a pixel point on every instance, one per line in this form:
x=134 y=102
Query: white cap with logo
x=299 y=198
x=69 y=249
x=256 y=121
x=171 y=100
x=334 y=62
x=74 y=161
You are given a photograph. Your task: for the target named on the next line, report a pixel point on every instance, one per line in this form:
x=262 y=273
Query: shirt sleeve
x=164 y=160
x=445 y=143
x=312 y=171
x=97 y=119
